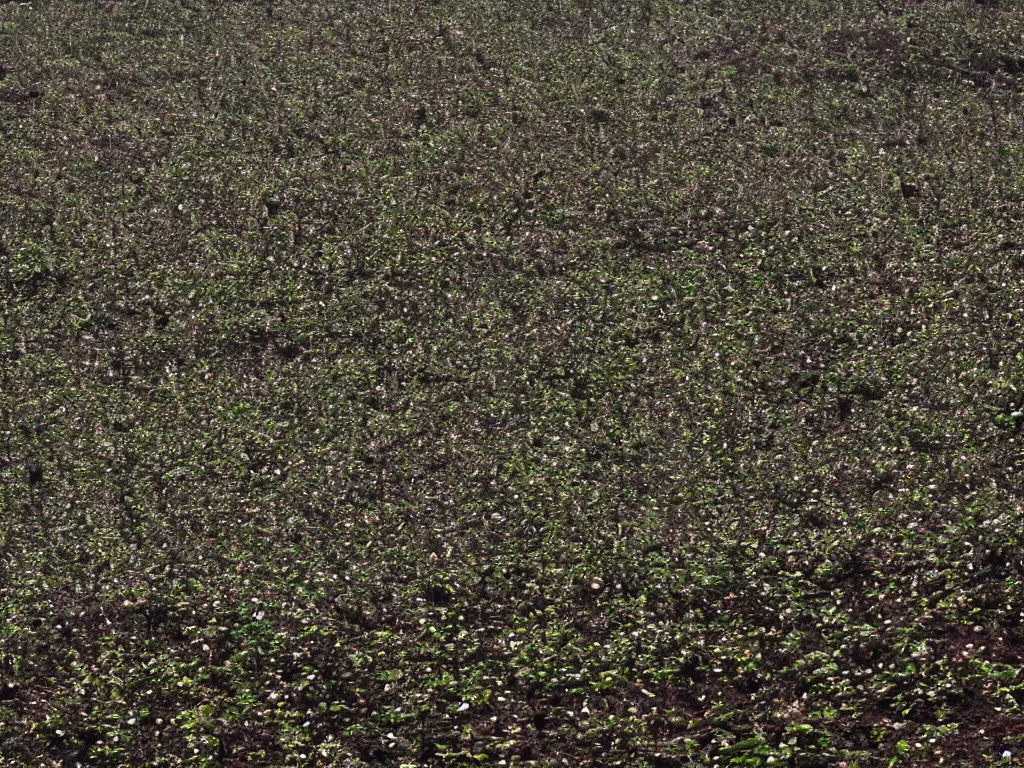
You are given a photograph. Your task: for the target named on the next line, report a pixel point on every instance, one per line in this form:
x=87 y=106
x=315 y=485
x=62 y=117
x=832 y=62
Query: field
x=511 y=382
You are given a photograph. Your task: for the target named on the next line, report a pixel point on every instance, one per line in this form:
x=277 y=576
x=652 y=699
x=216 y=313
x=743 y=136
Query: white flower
x=463 y=707
x=1007 y=754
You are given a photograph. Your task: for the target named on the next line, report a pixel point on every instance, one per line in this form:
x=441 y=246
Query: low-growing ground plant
x=511 y=383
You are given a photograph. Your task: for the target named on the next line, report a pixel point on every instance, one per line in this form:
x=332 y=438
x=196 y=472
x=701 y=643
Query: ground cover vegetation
x=479 y=382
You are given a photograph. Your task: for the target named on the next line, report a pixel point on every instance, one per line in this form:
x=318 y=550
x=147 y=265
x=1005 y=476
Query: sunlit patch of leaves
x=551 y=382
